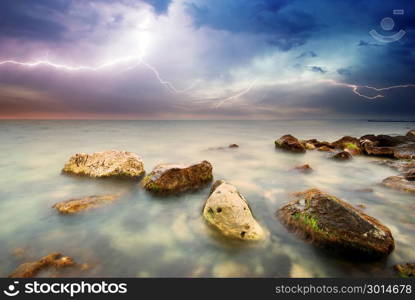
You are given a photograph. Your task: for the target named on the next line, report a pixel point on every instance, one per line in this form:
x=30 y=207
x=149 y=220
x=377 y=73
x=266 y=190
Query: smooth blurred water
x=146 y=236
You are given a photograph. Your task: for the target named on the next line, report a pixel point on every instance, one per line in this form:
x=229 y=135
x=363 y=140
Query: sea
x=143 y=235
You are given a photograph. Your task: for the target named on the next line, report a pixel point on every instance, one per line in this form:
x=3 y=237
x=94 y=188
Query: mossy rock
x=405 y=270
x=331 y=223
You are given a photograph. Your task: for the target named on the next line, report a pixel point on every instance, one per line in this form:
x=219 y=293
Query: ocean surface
x=146 y=236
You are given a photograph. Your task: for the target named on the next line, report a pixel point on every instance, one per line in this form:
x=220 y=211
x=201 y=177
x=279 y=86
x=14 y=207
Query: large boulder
x=228 y=211
x=289 y=143
x=31 y=269
x=111 y=163
x=333 y=224
x=411 y=133
x=73 y=206
x=401 y=147
x=399 y=183
x=171 y=178
x=349 y=144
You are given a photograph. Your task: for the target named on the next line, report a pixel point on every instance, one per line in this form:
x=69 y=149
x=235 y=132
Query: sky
x=207 y=59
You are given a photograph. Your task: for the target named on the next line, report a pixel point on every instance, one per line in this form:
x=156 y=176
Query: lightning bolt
x=235 y=96
x=355 y=88
x=45 y=62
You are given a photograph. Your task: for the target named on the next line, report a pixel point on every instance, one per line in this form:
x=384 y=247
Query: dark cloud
x=307 y=54
x=245 y=33
x=318 y=69
x=344 y=72
x=160 y=6
x=285 y=26
x=31 y=19
x=367 y=44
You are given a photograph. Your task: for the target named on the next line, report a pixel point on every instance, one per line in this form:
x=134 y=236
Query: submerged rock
x=325 y=149
x=229 y=269
x=364 y=190
x=331 y=223
x=289 y=143
x=304 y=168
x=405 y=270
x=400 y=165
x=72 y=206
x=399 y=183
x=170 y=178
x=31 y=269
x=111 y=163
x=228 y=211
x=342 y=156
x=231 y=146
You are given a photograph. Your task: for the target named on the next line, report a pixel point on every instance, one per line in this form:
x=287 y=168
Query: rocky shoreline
x=315 y=216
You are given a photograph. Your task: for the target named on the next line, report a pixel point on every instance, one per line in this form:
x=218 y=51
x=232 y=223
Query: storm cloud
x=192 y=59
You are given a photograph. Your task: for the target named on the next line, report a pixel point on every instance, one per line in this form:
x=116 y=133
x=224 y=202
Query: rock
x=170 y=178
x=361 y=206
x=111 y=163
x=400 y=165
x=349 y=144
x=290 y=144
x=318 y=144
x=325 y=149
x=19 y=252
x=342 y=156
x=231 y=146
x=309 y=146
x=228 y=211
x=331 y=223
x=410 y=175
x=31 y=269
x=364 y=190
x=401 y=147
x=411 y=133
x=405 y=270
x=304 y=168
x=399 y=183
x=72 y=206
